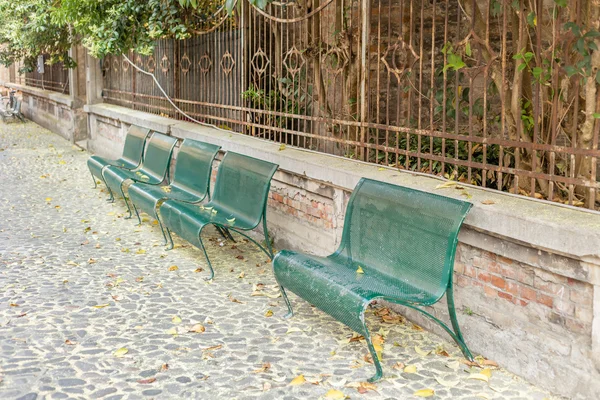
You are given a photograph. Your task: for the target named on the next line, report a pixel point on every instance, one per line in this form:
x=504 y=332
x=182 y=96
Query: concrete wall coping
x=60 y=98
x=541 y=224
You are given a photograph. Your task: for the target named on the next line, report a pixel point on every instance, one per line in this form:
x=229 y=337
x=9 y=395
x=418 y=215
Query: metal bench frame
x=413 y=267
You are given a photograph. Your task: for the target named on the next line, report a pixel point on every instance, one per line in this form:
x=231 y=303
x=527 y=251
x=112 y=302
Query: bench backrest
x=242 y=187
x=403 y=233
x=194 y=166
x=158 y=155
x=134 y=144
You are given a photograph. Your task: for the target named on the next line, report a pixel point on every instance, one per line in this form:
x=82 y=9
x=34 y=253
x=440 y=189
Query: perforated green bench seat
x=403 y=240
x=190 y=183
x=133 y=150
x=153 y=170
x=239 y=204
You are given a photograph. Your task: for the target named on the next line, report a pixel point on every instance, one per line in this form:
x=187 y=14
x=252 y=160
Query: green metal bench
x=239 y=204
x=190 y=183
x=398 y=245
x=133 y=151
x=152 y=171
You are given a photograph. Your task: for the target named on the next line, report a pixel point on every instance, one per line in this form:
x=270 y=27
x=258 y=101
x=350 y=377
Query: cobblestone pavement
x=91 y=306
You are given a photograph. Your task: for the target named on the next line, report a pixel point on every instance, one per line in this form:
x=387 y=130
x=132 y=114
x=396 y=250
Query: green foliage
x=27 y=30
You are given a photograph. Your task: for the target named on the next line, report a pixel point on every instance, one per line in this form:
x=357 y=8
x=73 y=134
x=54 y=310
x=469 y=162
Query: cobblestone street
x=92 y=306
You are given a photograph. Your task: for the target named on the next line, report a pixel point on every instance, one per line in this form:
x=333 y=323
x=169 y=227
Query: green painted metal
x=190 y=183
x=153 y=170
x=404 y=241
x=133 y=150
x=239 y=203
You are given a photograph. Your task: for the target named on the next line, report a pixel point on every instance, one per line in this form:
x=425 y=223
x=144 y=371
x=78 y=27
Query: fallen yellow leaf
x=410 y=369
x=176 y=320
x=121 y=352
x=480 y=377
x=421 y=352
x=359 y=270
x=333 y=394
x=424 y=393
x=173 y=268
x=140 y=251
x=101 y=305
x=299 y=380
x=48 y=199
x=487 y=372
x=269 y=313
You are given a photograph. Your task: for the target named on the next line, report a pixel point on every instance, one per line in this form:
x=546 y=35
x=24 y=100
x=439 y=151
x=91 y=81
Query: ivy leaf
x=229 y=4
x=561 y=3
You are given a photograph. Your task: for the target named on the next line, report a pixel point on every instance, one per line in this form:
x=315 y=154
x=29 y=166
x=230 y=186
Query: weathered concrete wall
x=527 y=272
x=53 y=111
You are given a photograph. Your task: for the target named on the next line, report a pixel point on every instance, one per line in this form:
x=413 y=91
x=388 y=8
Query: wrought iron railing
x=54 y=77
x=495 y=93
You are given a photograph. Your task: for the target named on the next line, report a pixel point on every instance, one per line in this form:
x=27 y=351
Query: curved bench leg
x=137 y=214
x=126 y=202
x=94 y=179
x=212 y=272
x=287 y=303
x=168 y=231
x=378 y=369
x=460 y=341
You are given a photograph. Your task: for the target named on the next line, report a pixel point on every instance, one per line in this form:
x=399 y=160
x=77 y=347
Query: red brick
x=512 y=288
x=314 y=204
x=484 y=276
x=505 y=260
x=527 y=293
x=494 y=267
x=490 y=291
x=498 y=281
x=459 y=268
x=522 y=303
x=545 y=300
x=506 y=296
x=470 y=271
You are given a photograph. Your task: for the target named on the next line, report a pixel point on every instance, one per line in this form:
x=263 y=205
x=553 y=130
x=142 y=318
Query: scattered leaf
x=410 y=369
x=488 y=202
x=121 y=352
x=241 y=275
x=173 y=268
x=490 y=363
x=480 y=377
x=446 y=185
x=197 y=328
x=359 y=270
x=487 y=372
x=265 y=367
x=334 y=394
x=299 y=380
x=172 y=331
x=176 y=320
x=421 y=352
x=398 y=365
x=146 y=381
x=269 y=313
x=199 y=270
x=164 y=367
x=101 y=305
x=140 y=251
x=281 y=147
x=48 y=199
x=424 y=393
x=447 y=383
x=70 y=343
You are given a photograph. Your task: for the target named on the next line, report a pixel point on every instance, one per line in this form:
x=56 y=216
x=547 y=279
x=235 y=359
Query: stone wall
x=527 y=272
x=53 y=111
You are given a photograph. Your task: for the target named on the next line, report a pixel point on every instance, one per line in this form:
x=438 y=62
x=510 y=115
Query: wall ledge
x=60 y=98
x=558 y=229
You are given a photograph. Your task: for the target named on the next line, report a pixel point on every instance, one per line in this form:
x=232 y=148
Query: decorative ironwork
x=260 y=62
x=294 y=61
x=410 y=84
x=186 y=64
x=125 y=65
x=165 y=64
x=115 y=64
x=205 y=63
x=227 y=63
x=151 y=64
x=335 y=60
x=396 y=57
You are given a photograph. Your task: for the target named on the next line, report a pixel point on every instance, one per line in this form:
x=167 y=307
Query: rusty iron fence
x=54 y=77
x=496 y=93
